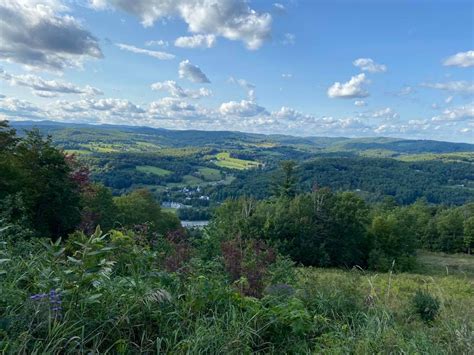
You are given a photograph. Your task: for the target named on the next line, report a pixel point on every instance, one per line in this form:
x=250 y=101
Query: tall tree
x=48 y=191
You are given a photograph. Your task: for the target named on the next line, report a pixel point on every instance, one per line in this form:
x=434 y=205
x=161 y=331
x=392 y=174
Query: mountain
x=69 y=134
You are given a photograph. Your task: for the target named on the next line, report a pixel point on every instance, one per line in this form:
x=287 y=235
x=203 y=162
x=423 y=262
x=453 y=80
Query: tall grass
x=117 y=297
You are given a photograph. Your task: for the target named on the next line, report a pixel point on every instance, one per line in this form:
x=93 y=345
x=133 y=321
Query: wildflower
x=54 y=299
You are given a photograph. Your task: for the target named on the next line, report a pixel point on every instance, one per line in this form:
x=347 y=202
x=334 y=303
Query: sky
x=360 y=68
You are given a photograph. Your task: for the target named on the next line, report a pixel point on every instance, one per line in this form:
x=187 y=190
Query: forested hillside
x=233 y=164
x=329 y=253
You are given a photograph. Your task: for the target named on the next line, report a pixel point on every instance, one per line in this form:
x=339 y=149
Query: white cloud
x=449 y=99
x=385 y=113
x=461 y=59
x=279 y=7
x=350 y=89
x=196 y=41
x=111 y=106
x=155 y=54
x=231 y=19
x=249 y=87
x=244 y=108
x=288 y=39
x=460 y=86
x=47 y=88
x=159 y=43
x=169 y=107
x=287 y=113
x=405 y=91
x=192 y=72
x=287 y=76
x=459 y=113
x=15 y=105
x=360 y=103
x=177 y=91
x=38 y=35
x=368 y=64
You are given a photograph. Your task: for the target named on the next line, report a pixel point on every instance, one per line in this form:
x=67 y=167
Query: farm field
x=153 y=170
x=210 y=174
x=224 y=160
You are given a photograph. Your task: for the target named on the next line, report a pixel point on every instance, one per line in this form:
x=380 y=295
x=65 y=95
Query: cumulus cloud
x=231 y=19
x=40 y=36
x=360 y=103
x=368 y=64
x=353 y=88
x=192 y=72
x=292 y=115
x=109 y=105
x=170 y=107
x=155 y=54
x=459 y=113
x=244 y=108
x=461 y=86
x=196 y=41
x=14 y=105
x=461 y=59
x=47 y=88
x=385 y=113
x=177 y=91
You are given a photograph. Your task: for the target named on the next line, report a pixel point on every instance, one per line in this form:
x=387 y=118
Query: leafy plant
x=426 y=305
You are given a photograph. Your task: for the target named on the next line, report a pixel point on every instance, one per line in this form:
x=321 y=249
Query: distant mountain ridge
x=181 y=138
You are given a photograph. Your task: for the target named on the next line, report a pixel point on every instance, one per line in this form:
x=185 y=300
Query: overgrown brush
x=115 y=293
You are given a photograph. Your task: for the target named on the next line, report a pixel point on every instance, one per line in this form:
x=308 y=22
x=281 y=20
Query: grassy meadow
x=153 y=170
x=224 y=160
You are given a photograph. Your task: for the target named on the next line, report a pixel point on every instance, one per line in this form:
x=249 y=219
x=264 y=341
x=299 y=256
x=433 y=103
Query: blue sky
x=401 y=68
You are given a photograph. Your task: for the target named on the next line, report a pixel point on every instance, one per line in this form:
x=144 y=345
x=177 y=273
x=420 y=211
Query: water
x=194 y=224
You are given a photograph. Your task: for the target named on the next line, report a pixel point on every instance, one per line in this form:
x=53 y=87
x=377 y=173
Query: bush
x=247 y=262
x=426 y=305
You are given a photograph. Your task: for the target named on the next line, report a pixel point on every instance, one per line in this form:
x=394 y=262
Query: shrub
x=247 y=261
x=426 y=305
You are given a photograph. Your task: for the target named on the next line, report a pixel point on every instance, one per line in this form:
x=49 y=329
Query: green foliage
x=98 y=208
x=117 y=296
x=41 y=174
x=320 y=228
x=140 y=207
x=469 y=234
x=426 y=306
x=287 y=186
x=450 y=230
x=393 y=245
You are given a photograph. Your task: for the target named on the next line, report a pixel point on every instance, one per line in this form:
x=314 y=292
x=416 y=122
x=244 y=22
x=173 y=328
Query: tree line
x=45 y=192
x=327 y=228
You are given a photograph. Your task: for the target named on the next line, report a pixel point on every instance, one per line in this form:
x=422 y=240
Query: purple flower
x=54 y=301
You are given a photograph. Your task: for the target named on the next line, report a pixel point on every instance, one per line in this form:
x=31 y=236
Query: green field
x=191 y=180
x=153 y=170
x=446 y=264
x=224 y=160
x=210 y=174
x=78 y=151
